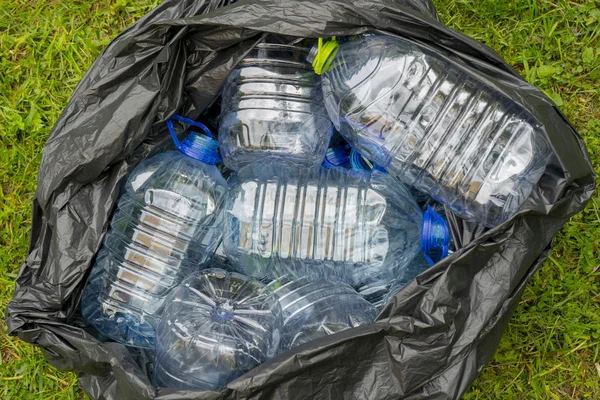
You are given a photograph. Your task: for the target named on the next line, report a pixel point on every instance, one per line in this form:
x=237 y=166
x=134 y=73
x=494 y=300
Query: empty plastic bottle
x=272 y=109
x=167 y=224
x=434 y=127
x=322 y=224
x=216 y=326
x=314 y=309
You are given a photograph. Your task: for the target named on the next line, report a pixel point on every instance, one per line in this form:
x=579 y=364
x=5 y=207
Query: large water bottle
x=323 y=224
x=216 y=326
x=435 y=127
x=313 y=309
x=167 y=224
x=272 y=109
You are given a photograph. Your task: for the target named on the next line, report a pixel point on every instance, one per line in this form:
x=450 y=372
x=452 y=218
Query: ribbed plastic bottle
x=314 y=309
x=168 y=223
x=435 y=127
x=323 y=224
x=216 y=326
x=272 y=110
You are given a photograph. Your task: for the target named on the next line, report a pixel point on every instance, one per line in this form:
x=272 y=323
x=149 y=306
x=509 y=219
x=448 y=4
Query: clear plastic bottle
x=168 y=223
x=216 y=326
x=322 y=224
x=272 y=109
x=313 y=309
x=435 y=127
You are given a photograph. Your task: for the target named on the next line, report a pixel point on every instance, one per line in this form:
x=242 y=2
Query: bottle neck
x=201 y=148
x=197 y=146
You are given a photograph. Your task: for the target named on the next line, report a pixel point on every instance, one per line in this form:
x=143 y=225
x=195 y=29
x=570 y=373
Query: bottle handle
x=185 y=121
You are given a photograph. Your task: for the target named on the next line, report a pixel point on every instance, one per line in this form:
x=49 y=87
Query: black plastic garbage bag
x=434 y=337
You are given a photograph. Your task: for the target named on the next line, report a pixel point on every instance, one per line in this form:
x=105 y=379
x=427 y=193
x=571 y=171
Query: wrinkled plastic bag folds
x=428 y=343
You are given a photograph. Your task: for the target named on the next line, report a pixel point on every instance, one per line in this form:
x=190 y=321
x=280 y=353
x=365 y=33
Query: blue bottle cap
x=361 y=164
x=201 y=147
x=358 y=163
x=336 y=156
x=198 y=146
x=436 y=235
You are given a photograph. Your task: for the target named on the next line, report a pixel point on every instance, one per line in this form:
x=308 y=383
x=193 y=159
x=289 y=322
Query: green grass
x=550 y=350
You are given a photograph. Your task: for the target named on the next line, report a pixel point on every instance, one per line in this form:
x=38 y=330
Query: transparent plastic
x=337 y=157
x=313 y=309
x=359 y=163
x=418 y=265
x=380 y=293
x=435 y=127
x=345 y=157
x=168 y=223
x=216 y=326
x=319 y=223
x=272 y=110
x=219 y=260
